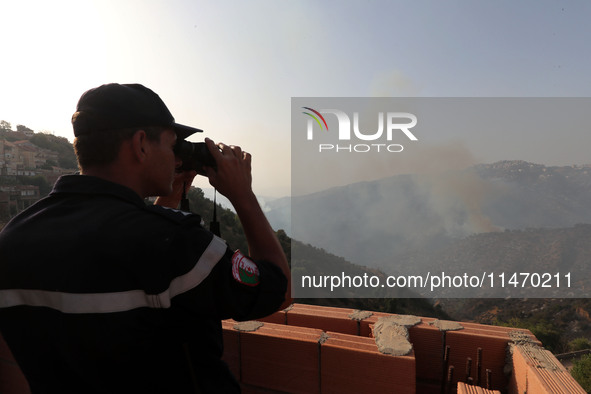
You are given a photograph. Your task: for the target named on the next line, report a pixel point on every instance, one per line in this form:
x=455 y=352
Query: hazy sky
x=231 y=67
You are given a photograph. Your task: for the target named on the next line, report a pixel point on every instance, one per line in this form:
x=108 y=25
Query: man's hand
x=233 y=176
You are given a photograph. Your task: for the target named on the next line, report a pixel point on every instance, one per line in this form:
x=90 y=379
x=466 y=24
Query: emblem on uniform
x=244 y=270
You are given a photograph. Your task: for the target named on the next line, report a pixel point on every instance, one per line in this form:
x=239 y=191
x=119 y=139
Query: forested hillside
x=556 y=322
x=232 y=232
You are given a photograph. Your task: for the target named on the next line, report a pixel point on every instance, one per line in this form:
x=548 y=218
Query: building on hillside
x=26 y=131
x=7 y=151
x=17 y=159
x=45 y=157
x=15 y=198
x=51 y=175
x=24 y=158
x=26 y=163
x=41 y=156
x=4 y=206
x=20 y=135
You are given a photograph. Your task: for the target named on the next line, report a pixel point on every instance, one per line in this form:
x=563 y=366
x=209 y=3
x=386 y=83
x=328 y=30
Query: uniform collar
x=87 y=184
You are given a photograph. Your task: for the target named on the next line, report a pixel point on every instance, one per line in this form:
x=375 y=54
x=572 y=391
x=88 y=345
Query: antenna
x=184 y=200
x=214 y=225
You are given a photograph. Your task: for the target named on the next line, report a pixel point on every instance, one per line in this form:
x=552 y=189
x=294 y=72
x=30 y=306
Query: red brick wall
x=312 y=349
x=538 y=371
x=350 y=362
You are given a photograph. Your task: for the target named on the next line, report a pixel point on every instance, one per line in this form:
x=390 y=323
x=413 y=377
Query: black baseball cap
x=119 y=106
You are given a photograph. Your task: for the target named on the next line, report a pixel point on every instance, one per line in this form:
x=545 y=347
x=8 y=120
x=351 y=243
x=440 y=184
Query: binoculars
x=194 y=155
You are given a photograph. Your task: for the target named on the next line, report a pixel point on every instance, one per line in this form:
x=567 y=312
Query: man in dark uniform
x=101 y=293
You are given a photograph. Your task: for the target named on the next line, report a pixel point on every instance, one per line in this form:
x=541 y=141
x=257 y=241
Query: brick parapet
x=477 y=353
x=536 y=370
x=313 y=349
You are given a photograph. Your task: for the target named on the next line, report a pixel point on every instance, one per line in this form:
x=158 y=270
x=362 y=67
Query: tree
x=23 y=129
x=581 y=343
x=5 y=126
x=582 y=372
x=544 y=330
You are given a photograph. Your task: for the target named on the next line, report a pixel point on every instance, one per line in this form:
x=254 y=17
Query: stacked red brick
x=287 y=358
x=312 y=349
x=538 y=371
x=476 y=352
x=464 y=388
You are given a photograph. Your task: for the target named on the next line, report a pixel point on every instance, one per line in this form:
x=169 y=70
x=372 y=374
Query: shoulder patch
x=244 y=270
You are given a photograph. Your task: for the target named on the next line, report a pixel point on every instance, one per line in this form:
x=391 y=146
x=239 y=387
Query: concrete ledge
x=391 y=334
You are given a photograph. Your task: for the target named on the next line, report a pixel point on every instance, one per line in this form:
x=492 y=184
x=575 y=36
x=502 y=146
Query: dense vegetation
x=582 y=372
x=232 y=232
x=61 y=145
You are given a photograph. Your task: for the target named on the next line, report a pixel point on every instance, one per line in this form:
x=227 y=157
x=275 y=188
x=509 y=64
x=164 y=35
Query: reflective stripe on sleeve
x=118 y=301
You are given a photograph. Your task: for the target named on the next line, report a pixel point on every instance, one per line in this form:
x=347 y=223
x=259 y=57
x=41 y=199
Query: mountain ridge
x=412 y=210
